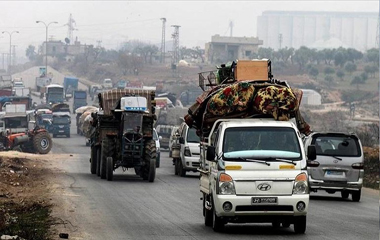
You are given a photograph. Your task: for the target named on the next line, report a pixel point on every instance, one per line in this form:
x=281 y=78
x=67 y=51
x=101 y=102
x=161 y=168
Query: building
x=279 y=29
x=311 y=97
x=55 y=48
x=223 y=49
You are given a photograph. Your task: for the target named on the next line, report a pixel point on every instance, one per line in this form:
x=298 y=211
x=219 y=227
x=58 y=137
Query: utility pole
x=46 y=43
x=14 y=55
x=231 y=27
x=175 y=37
x=10 y=50
x=280 y=40
x=70 y=26
x=4 y=54
x=163 y=40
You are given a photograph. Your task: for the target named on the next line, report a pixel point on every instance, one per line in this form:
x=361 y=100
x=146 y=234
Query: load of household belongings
x=83 y=109
x=231 y=98
x=85 y=123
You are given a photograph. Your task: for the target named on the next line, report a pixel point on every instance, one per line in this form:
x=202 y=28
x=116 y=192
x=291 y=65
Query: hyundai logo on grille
x=264 y=187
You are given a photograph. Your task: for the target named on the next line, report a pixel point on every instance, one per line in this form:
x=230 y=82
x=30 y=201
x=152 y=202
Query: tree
x=329 y=55
x=314 y=72
x=357 y=80
x=329 y=79
x=364 y=76
x=329 y=70
x=302 y=57
x=353 y=55
x=373 y=56
x=350 y=67
x=340 y=58
x=371 y=70
x=266 y=53
x=31 y=52
x=340 y=74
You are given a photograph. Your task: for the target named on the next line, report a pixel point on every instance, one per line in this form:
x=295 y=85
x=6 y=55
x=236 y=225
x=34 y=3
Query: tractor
x=123 y=135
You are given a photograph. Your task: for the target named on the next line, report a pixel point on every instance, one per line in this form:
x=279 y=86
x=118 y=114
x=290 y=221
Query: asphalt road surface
x=170 y=207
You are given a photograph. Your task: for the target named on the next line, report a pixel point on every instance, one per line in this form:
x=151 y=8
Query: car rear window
x=337 y=146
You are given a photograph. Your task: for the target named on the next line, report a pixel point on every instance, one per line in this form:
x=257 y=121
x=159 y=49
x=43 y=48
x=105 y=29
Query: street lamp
x=46 y=25
x=10 y=49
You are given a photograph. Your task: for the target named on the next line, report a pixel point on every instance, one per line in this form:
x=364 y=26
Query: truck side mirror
x=210 y=154
x=311 y=153
x=181 y=140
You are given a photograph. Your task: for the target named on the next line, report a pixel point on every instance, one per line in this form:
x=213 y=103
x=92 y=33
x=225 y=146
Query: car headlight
x=226 y=184
x=300 y=185
x=187 y=152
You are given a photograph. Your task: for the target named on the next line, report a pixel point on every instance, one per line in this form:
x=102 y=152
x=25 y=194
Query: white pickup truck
x=254 y=171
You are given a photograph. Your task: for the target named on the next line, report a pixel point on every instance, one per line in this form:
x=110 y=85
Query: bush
x=371 y=167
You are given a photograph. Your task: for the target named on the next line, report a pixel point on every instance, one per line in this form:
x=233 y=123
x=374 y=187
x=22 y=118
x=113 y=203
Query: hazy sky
x=114 y=22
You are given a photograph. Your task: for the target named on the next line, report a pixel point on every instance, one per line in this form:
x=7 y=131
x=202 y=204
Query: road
x=170 y=207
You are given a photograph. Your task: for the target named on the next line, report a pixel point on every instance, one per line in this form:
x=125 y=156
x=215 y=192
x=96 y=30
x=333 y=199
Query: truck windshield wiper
x=335 y=157
x=255 y=160
x=280 y=160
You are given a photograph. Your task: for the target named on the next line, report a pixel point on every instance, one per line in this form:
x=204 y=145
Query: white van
x=189 y=151
x=254 y=170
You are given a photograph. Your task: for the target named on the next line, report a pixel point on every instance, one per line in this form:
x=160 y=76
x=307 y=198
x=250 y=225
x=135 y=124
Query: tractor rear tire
x=150 y=160
x=109 y=169
x=93 y=160
x=107 y=151
x=42 y=143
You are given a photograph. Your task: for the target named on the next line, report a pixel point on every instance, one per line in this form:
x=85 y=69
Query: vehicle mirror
x=312 y=163
x=311 y=152
x=181 y=140
x=210 y=154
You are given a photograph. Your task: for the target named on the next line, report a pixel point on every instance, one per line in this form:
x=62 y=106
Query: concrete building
x=279 y=29
x=223 y=49
x=55 y=48
x=311 y=97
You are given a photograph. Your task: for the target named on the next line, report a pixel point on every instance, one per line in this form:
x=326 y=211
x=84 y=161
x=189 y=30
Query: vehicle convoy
x=61 y=120
x=123 y=134
x=54 y=94
x=80 y=99
x=70 y=84
x=339 y=166
x=252 y=160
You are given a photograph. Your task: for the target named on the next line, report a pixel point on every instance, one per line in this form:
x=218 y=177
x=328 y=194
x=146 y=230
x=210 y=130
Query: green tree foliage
x=266 y=53
x=329 y=70
x=31 y=53
x=340 y=74
x=371 y=70
x=329 y=78
x=340 y=58
x=364 y=76
x=357 y=80
x=314 y=72
x=328 y=55
x=350 y=67
x=302 y=57
x=373 y=56
x=353 y=55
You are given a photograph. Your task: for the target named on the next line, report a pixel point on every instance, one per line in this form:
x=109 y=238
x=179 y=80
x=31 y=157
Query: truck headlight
x=300 y=184
x=187 y=152
x=226 y=184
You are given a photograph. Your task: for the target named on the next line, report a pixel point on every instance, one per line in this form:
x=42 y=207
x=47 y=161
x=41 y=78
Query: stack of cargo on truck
x=61 y=120
x=80 y=99
x=70 y=84
x=123 y=135
x=25 y=100
x=54 y=94
x=252 y=160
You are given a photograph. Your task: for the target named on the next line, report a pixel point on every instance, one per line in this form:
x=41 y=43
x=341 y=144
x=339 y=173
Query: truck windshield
x=80 y=95
x=261 y=143
x=61 y=120
x=192 y=136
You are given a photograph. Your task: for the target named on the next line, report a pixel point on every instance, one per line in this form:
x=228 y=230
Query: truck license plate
x=334 y=173
x=264 y=200
x=61 y=131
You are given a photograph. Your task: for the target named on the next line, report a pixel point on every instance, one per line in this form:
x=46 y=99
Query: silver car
x=339 y=166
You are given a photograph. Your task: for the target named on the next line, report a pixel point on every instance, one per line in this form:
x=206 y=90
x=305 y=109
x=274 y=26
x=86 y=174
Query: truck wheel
x=356 y=195
x=300 y=224
x=93 y=160
x=109 y=168
x=175 y=166
x=98 y=158
x=344 y=194
x=207 y=213
x=150 y=160
x=42 y=143
x=217 y=222
x=107 y=151
x=78 y=131
x=181 y=171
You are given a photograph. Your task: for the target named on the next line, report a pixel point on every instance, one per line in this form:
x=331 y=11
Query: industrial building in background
x=280 y=29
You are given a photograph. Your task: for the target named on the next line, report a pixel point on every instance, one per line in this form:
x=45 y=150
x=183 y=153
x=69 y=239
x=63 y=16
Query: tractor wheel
x=150 y=160
x=42 y=142
x=109 y=169
x=98 y=158
x=107 y=151
x=93 y=160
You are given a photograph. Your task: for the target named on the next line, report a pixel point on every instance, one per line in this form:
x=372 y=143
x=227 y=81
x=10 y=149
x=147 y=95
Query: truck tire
x=181 y=171
x=98 y=157
x=356 y=195
x=93 y=163
x=150 y=160
x=42 y=143
x=109 y=169
x=300 y=224
x=107 y=151
x=175 y=166
x=217 y=222
x=207 y=213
